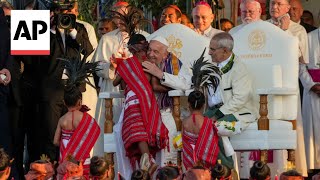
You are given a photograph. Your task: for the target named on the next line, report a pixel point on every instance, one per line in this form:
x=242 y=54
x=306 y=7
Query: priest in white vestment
x=311 y=104
x=114 y=44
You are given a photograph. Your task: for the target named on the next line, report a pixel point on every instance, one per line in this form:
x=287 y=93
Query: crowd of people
x=49 y=104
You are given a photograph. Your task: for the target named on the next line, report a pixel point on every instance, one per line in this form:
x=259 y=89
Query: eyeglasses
x=278 y=4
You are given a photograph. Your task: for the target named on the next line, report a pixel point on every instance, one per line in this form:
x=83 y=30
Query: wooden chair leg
x=291 y=159
x=108 y=126
x=291 y=152
x=176 y=116
x=263 y=121
x=264 y=156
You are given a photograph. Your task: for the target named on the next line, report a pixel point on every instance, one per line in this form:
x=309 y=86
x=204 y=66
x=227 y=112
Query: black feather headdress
x=205 y=74
x=78 y=72
x=131 y=19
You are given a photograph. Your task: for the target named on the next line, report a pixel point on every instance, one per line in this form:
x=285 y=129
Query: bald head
x=296 y=10
x=202 y=17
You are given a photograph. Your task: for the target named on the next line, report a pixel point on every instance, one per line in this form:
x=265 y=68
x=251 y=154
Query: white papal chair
x=271 y=56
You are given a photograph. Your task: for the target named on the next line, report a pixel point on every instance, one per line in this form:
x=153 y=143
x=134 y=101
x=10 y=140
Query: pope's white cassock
x=114 y=42
x=311 y=105
x=298 y=31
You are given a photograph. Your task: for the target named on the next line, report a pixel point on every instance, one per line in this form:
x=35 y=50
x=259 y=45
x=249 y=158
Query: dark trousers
x=18 y=136
x=5 y=130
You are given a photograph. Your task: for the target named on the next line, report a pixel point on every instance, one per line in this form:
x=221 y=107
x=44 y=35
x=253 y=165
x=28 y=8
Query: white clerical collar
x=223 y=63
x=207 y=31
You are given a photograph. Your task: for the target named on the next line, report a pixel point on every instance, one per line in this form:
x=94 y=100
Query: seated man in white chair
x=169 y=63
x=232 y=101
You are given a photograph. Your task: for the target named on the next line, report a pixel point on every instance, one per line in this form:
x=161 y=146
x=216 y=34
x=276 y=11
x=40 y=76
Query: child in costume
x=199 y=136
x=76 y=131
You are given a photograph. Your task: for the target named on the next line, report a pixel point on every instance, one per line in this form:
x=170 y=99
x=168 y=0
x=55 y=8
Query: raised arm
x=180 y=82
x=117 y=80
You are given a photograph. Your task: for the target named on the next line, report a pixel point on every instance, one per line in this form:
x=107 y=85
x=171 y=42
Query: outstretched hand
x=152 y=69
x=114 y=61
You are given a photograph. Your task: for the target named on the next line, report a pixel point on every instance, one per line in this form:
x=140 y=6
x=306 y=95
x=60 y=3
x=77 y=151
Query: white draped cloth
x=311 y=106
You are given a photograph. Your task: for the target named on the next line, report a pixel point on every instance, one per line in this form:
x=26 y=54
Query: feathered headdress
x=205 y=74
x=131 y=19
x=78 y=71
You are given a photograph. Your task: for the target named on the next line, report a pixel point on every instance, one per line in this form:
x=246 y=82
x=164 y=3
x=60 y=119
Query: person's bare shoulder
x=186 y=123
x=77 y=118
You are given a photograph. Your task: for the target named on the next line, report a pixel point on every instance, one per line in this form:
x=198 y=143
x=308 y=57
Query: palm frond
x=205 y=74
x=131 y=20
x=78 y=71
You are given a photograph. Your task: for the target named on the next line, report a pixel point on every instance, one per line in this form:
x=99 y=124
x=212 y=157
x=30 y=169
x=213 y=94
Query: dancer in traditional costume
x=200 y=136
x=76 y=131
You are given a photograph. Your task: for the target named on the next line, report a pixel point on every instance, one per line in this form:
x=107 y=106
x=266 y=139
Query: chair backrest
x=271 y=56
x=185 y=43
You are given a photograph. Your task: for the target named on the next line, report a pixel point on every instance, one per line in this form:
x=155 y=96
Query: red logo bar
x=30 y=52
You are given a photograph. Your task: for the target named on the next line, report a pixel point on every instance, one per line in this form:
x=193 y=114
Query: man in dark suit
x=296 y=11
x=5 y=78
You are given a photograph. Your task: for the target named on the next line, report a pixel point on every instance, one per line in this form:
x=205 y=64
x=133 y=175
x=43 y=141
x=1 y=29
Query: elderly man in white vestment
x=250 y=12
x=311 y=104
x=169 y=63
x=202 y=19
x=112 y=43
x=279 y=16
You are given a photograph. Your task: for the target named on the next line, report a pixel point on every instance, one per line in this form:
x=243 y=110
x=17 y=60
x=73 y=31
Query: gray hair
x=224 y=40
x=243 y=4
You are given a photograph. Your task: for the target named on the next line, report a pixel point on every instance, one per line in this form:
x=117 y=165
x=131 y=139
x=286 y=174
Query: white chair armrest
x=278 y=91
x=176 y=93
x=103 y=95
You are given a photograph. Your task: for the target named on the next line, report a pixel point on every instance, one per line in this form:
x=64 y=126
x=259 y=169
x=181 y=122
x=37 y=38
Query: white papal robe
x=311 y=105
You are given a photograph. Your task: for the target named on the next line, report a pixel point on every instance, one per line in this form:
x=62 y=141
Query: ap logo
x=30 y=32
